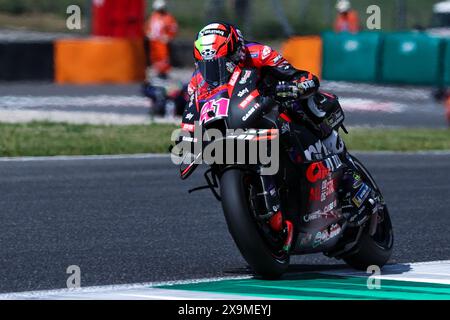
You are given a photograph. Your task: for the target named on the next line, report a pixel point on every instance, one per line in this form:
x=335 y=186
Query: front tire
x=264 y=259
x=376 y=249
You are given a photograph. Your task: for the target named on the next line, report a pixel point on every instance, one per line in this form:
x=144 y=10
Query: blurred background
x=117 y=86
x=128 y=62
x=262 y=20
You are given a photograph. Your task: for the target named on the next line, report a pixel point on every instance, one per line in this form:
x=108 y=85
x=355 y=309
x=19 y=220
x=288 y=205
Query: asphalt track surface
x=131 y=220
x=401 y=106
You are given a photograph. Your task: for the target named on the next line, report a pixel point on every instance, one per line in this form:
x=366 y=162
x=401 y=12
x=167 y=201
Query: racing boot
x=274 y=216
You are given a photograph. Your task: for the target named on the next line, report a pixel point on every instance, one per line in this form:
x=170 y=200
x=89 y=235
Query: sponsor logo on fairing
x=361 y=195
x=285 y=127
x=187 y=127
x=277 y=59
x=272 y=191
x=245 y=77
x=326 y=235
x=244 y=104
x=251 y=111
x=242 y=92
x=326 y=213
x=189 y=116
x=189 y=139
x=357 y=182
x=266 y=52
x=321 y=193
x=234 y=78
x=230 y=66
x=316 y=151
x=191 y=100
x=317 y=171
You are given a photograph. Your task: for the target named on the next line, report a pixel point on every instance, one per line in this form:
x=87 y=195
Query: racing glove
x=294 y=89
x=287 y=90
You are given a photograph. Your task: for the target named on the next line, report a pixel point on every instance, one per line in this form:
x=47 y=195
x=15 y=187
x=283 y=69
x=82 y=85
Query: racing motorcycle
x=309 y=182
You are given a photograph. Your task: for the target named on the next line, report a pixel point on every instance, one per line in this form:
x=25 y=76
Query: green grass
x=397 y=139
x=48 y=139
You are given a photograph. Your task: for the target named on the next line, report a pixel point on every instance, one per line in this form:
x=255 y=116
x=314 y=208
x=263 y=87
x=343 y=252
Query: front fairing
x=238 y=103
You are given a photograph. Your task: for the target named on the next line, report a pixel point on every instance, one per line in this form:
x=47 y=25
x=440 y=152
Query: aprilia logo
x=244 y=104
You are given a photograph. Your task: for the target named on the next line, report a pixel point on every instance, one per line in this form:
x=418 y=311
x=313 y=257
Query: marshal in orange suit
x=161 y=28
x=347 y=19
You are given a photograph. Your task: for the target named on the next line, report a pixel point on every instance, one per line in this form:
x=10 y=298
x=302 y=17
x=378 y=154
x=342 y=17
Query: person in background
x=447 y=108
x=347 y=19
x=442 y=95
x=161 y=28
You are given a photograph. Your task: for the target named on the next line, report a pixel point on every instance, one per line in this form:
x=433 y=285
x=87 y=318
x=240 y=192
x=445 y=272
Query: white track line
x=107 y=290
x=22 y=102
x=429 y=272
x=426 y=272
x=74 y=117
x=412 y=93
x=167 y=155
x=403 y=153
x=87 y=158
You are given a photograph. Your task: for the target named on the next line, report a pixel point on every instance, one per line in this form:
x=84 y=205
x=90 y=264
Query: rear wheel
x=260 y=246
x=376 y=249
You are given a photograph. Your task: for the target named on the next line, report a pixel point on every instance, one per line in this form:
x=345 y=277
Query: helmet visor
x=216 y=72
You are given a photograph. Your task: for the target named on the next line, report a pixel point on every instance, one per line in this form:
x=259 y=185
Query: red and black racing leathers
x=272 y=68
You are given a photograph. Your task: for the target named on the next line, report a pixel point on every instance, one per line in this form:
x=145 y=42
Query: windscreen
x=216 y=72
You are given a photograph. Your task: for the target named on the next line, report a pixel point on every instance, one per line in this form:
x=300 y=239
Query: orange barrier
x=99 y=60
x=304 y=53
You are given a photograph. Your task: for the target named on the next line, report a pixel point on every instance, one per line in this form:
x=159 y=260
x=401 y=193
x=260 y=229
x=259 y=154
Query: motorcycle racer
x=219 y=49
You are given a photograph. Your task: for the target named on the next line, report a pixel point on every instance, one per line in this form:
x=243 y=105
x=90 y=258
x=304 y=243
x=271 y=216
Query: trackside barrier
x=304 y=53
x=446 y=64
x=351 y=57
x=118 y=18
x=26 y=61
x=411 y=58
x=99 y=60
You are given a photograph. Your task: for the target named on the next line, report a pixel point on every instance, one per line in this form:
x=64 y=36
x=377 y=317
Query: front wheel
x=376 y=249
x=258 y=245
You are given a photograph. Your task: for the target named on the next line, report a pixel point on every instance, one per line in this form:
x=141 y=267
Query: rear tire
x=377 y=249
x=244 y=228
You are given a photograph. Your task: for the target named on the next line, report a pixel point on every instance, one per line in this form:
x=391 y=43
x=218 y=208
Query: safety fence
x=401 y=58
